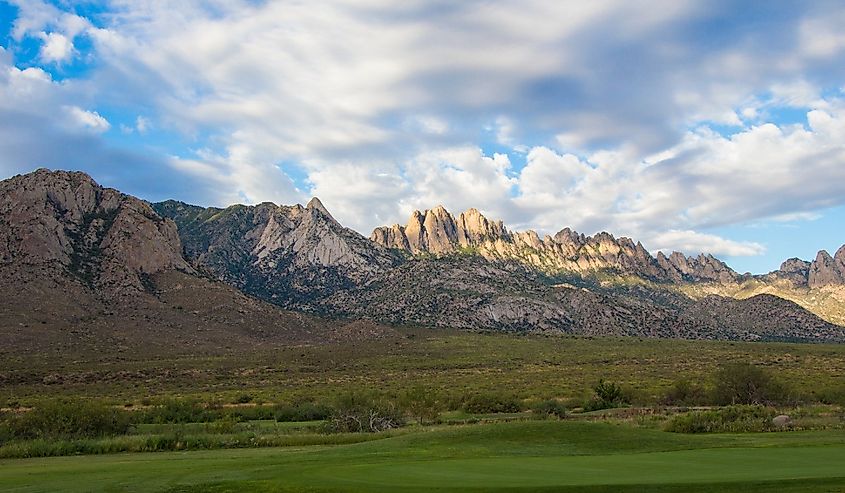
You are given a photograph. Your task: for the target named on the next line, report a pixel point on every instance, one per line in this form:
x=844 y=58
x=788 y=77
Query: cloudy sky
x=711 y=126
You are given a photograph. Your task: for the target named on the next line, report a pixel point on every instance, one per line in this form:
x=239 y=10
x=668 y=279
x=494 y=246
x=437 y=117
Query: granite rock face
x=64 y=220
x=826 y=270
x=822 y=271
x=437 y=232
x=290 y=255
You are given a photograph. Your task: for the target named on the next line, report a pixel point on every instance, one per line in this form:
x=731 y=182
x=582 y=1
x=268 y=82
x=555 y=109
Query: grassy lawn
x=520 y=456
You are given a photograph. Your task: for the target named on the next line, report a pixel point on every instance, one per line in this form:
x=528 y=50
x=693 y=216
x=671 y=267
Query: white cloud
x=90 y=120
x=54 y=27
x=822 y=36
x=142 y=124
x=56 y=48
x=382 y=105
x=431 y=124
x=692 y=242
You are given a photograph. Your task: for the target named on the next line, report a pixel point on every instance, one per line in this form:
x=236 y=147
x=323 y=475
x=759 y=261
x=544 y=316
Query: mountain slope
x=290 y=255
x=86 y=270
x=62 y=221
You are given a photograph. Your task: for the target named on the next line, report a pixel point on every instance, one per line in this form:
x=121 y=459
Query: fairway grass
x=513 y=457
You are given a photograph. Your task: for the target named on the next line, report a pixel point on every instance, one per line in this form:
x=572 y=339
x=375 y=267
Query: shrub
x=685 y=393
x=174 y=411
x=356 y=413
x=303 y=411
x=731 y=419
x=491 y=403
x=66 y=419
x=421 y=404
x=606 y=395
x=833 y=396
x=549 y=408
x=744 y=383
x=243 y=399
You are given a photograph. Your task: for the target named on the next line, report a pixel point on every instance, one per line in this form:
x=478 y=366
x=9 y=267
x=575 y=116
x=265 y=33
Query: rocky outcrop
x=826 y=270
x=437 y=232
x=704 y=268
x=64 y=220
x=290 y=255
x=794 y=270
x=822 y=271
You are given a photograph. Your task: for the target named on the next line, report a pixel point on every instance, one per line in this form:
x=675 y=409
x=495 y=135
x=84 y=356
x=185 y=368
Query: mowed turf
x=513 y=457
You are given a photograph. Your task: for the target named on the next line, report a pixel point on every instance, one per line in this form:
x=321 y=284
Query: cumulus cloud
x=56 y=48
x=89 y=120
x=54 y=27
x=382 y=106
x=692 y=242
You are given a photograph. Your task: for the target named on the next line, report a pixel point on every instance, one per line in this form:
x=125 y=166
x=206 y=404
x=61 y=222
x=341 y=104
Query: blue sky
x=696 y=126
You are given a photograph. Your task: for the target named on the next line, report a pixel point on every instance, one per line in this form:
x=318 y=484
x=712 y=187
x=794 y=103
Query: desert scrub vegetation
x=491 y=403
x=358 y=412
x=744 y=383
x=731 y=419
x=549 y=408
x=606 y=395
x=65 y=419
x=735 y=383
x=686 y=393
x=302 y=411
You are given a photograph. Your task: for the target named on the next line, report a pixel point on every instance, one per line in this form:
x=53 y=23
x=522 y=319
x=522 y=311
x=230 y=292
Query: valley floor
x=454 y=364
x=504 y=457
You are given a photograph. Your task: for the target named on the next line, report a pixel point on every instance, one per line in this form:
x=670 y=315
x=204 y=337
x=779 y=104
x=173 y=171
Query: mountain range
x=80 y=262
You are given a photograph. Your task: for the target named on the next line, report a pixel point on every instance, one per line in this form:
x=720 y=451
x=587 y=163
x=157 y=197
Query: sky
x=699 y=126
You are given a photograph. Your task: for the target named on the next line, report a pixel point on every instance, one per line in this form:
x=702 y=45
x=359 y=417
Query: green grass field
x=620 y=450
x=513 y=457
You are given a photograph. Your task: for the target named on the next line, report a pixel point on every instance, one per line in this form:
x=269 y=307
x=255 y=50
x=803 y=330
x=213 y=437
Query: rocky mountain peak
x=439 y=233
x=65 y=220
x=840 y=255
x=826 y=270
x=316 y=205
x=275 y=251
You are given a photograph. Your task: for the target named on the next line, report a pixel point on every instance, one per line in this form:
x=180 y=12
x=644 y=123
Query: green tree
x=744 y=383
x=606 y=395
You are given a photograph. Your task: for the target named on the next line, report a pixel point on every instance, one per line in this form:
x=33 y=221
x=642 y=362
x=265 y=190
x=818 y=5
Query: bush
x=65 y=419
x=174 y=411
x=491 y=404
x=243 y=399
x=421 y=404
x=549 y=408
x=685 y=393
x=606 y=395
x=744 y=383
x=731 y=419
x=356 y=413
x=303 y=411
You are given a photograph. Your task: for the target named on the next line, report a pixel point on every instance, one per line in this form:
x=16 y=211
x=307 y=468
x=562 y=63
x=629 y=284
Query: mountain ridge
x=437 y=232
x=467 y=272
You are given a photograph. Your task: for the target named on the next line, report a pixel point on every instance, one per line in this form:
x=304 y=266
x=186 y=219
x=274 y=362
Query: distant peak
x=315 y=205
x=439 y=210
